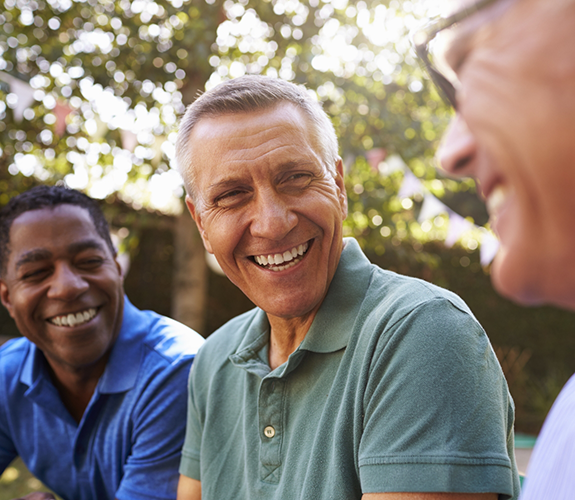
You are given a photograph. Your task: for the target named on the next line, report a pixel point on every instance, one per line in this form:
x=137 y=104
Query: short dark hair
x=48 y=197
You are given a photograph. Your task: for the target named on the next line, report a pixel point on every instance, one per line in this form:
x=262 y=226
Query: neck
x=286 y=335
x=76 y=386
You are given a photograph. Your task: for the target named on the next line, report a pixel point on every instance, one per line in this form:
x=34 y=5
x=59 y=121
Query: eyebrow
x=40 y=254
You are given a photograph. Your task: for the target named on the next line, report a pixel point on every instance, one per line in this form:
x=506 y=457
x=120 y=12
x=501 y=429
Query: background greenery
x=108 y=80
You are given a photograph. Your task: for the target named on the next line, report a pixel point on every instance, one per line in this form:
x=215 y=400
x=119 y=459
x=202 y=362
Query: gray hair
x=253 y=93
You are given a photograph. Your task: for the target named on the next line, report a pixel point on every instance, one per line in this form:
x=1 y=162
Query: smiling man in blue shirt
x=92 y=397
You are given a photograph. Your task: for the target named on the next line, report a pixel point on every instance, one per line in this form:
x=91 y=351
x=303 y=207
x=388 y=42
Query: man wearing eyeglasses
x=513 y=89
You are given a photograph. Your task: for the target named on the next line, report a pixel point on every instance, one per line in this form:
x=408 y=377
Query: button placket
x=270 y=412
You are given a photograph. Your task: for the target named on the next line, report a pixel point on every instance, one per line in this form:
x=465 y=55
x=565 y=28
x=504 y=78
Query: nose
x=272 y=217
x=66 y=283
x=458 y=149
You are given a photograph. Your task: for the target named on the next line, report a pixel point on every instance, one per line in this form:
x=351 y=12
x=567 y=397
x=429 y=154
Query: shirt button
x=269 y=432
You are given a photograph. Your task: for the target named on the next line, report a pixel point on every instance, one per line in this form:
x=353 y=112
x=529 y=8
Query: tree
x=92 y=90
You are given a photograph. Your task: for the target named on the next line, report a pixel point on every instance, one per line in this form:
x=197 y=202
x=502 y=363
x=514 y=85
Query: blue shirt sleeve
x=151 y=471
x=7 y=450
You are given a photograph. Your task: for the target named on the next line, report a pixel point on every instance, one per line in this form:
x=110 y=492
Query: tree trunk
x=190 y=275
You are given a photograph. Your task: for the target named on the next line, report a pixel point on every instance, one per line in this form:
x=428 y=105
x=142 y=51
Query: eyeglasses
x=423 y=36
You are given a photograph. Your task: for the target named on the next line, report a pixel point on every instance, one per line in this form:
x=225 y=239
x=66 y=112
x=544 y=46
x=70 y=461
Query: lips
x=74 y=319
x=281 y=261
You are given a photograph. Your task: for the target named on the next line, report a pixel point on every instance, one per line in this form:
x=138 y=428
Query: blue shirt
x=127 y=445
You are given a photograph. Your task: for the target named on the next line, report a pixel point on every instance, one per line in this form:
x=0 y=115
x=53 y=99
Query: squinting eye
x=35 y=275
x=298 y=180
x=91 y=263
x=230 y=198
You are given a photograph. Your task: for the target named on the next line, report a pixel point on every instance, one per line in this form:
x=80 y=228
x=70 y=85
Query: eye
x=231 y=198
x=91 y=262
x=298 y=180
x=35 y=274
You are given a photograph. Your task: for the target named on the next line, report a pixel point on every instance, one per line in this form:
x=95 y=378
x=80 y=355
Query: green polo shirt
x=395 y=388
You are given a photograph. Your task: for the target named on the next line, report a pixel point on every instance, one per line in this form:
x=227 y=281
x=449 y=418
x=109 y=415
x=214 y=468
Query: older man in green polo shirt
x=347 y=381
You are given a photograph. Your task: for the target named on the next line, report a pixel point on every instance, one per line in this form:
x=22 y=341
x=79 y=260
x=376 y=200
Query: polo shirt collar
x=33 y=366
x=255 y=339
x=123 y=365
x=332 y=326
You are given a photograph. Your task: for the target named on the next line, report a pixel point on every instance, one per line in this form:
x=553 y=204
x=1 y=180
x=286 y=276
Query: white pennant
x=411 y=185
x=489 y=247
x=392 y=164
x=23 y=91
x=129 y=140
x=430 y=208
x=457 y=226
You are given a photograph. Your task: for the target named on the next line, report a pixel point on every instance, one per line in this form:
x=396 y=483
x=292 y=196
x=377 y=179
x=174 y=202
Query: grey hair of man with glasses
x=511 y=82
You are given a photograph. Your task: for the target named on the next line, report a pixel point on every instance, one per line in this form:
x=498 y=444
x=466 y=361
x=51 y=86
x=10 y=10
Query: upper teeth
x=74 y=319
x=279 y=258
x=496 y=199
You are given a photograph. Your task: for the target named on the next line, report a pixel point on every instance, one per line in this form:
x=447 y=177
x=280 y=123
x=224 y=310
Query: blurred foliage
x=110 y=78
x=16 y=481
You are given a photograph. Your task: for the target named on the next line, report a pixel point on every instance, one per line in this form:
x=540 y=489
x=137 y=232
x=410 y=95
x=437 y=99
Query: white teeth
x=71 y=320
x=74 y=319
x=289 y=256
x=496 y=199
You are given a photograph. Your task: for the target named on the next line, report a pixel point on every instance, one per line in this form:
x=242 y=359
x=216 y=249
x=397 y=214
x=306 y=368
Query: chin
x=532 y=284
x=515 y=281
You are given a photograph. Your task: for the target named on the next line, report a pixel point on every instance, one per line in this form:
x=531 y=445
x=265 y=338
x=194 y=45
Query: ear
x=198 y=220
x=121 y=271
x=5 y=297
x=339 y=180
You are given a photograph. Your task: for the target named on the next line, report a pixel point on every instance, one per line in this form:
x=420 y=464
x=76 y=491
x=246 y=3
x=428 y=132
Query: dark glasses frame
x=424 y=35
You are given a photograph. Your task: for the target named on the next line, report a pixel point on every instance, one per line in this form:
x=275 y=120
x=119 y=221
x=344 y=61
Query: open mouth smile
x=279 y=261
x=75 y=319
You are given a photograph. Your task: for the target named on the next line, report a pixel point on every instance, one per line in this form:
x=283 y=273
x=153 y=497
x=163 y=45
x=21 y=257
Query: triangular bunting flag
x=23 y=91
x=430 y=208
x=374 y=157
x=489 y=247
x=411 y=185
x=457 y=226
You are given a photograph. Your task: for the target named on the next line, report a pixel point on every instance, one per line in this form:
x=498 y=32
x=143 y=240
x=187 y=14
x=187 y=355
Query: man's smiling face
x=268 y=208
x=514 y=133
x=63 y=287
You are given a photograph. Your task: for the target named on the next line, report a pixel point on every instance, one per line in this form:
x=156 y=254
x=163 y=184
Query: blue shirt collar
x=123 y=365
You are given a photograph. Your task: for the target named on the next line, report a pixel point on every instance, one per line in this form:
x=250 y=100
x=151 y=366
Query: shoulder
x=160 y=335
x=396 y=297
x=559 y=427
x=551 y=469
x=12 y=354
